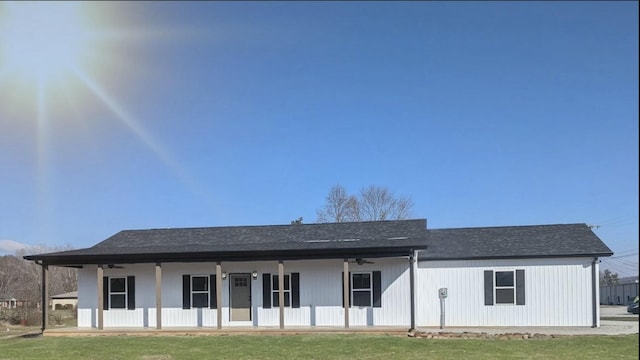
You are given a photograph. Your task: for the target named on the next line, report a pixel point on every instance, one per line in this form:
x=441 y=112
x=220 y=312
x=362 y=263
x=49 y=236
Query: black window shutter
x=213 y=296
x=377 y=289
x=519 y=287
x=488 y=287
x=131 y=292
x=105 y=292
x=295 y=290
x=266 y=291
x=186 y=291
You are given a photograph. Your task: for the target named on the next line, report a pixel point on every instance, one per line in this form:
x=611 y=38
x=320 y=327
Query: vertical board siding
x=557 y=293
x=87 y=296
x=320 y=295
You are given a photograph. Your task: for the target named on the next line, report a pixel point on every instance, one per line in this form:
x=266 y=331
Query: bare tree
x=379 y=203
x=22 y=279
x=338 y=206
x=10 y=267
x=373 y=204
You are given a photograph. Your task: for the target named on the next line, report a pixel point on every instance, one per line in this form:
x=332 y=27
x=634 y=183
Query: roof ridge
x=505 y=226
x=273 y=225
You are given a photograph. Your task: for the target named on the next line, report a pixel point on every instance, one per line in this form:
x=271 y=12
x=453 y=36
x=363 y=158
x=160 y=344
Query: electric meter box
x=442 y=293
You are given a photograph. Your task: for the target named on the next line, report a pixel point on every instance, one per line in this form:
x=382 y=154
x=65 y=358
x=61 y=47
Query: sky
x=196 y=114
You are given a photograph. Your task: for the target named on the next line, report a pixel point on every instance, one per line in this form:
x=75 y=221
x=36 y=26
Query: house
x=382 y=273
x=8 y=302
x=64 y=301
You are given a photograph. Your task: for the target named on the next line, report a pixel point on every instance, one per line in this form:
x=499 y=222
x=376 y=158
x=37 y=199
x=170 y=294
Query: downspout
x=594 y=291
x=412 y=291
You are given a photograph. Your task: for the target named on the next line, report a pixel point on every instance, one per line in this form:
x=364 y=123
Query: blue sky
x=214 y=113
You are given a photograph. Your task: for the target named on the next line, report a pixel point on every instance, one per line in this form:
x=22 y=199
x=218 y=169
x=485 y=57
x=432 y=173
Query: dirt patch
x=482 y=335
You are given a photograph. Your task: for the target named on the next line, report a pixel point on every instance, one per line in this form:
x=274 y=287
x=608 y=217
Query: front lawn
x=316 y=347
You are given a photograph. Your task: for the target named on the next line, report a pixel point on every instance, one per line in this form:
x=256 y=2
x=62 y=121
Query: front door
x=240 y=297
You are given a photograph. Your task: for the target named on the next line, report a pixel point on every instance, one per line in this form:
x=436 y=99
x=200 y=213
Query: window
x=291 y=290
x=118 y=292
x=200 y=291
x=287 y=291
x=504 y=287
x=361 y=289
x=365 y=288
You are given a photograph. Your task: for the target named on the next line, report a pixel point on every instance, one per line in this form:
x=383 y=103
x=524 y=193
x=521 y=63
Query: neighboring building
x=8 y=302
x=64 y=301
x=622 y=293
x=383 y=273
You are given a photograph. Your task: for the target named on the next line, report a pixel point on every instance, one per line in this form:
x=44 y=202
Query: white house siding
x=558 y=292
x=320 y=295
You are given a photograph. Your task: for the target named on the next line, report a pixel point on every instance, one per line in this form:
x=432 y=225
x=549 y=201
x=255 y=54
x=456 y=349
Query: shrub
x=57 y=318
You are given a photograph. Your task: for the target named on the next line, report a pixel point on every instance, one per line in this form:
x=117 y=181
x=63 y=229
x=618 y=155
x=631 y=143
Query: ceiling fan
x=112 y=266
x=361 y=261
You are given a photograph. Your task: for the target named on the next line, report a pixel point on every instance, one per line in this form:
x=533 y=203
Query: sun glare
x=53 y=56
x=42 y=40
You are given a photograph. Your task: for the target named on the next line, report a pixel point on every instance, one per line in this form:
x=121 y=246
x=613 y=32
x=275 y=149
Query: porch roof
x=243 y=243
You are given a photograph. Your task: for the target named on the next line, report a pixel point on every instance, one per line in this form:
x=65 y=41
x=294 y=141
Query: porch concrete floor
x=608 y=327
x=207 y=331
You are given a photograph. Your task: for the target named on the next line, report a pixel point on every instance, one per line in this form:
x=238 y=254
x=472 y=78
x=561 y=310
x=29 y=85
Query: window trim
x=194 y=292
x=353 y=289
x=125 y=293
x=274 y=290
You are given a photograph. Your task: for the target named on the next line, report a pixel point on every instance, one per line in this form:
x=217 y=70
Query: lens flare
x=43 y=40
x=56 y=52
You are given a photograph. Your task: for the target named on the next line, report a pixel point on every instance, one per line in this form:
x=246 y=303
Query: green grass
x=316 y=347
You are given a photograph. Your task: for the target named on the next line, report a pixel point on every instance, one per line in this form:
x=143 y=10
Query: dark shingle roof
x=335 y=240
x=372 y=238
x=513 y=242
x=69 y=295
